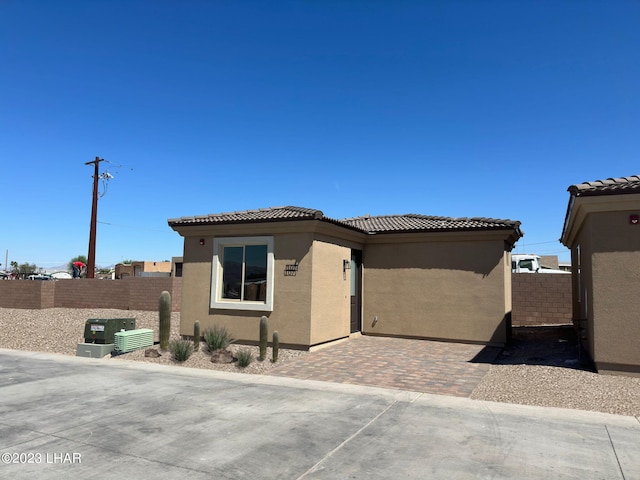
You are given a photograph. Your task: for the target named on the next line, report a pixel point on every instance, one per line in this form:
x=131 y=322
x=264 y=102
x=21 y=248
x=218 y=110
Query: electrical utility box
x=133 y=340
x=103 y=330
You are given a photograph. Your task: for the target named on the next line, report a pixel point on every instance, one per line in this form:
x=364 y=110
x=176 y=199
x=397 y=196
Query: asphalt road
x=65 y=417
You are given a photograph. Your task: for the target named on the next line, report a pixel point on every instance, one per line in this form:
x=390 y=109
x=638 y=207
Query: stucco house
x=143 y=269
x=319 y=279
x=602 y=229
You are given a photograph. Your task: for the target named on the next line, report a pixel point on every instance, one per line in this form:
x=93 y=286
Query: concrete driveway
x=65 y=417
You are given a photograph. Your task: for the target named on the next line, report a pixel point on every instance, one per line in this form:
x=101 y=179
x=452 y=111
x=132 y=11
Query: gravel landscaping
x=542 y=369
x=59 y=330
x=544 y=366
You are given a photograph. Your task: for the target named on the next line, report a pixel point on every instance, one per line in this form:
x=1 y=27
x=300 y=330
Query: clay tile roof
x=251 y=216
x=366 y=224
x=423 y=223
x=610 y=186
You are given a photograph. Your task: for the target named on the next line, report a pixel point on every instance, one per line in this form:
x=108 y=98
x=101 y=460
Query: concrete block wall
x=26 y=294
x=144 y=292
x=47 y=294
x=540 y=299
x=129 y=294
x=86 y=293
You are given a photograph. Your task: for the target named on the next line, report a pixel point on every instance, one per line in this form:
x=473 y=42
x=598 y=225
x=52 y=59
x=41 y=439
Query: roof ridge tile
x=609 y=186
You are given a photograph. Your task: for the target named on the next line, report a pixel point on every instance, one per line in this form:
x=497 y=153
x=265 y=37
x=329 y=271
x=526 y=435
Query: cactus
x=264 y=327
x=165 y=319
x=196 y=336
x=276 y=345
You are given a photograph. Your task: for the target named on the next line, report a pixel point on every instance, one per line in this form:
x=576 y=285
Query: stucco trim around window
x=217 y=274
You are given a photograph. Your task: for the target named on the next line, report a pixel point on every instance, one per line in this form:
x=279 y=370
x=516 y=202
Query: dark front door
x=356 y=290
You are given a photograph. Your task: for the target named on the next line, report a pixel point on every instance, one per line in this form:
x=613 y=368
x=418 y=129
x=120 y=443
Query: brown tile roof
x=251 y=216
x=422 y=223
x=365 y=224
x=610 y=186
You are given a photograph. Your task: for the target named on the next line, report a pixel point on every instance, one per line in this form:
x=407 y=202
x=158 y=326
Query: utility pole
x=91 y=258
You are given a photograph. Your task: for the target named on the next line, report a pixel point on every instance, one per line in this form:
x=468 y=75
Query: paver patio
x=442 y=368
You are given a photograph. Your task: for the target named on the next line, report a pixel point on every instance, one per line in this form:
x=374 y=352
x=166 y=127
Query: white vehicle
x=60 y=275
x=524 y=263
x=39 y=276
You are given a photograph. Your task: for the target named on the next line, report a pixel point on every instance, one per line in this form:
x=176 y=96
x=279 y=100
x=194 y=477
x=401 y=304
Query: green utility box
x=133 y=340
x=103 y=330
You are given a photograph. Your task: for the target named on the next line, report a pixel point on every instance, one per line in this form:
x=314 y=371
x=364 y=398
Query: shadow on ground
x=555 y=345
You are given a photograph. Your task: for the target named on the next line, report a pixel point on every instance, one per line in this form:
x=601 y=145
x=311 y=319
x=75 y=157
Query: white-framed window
x=242 y=273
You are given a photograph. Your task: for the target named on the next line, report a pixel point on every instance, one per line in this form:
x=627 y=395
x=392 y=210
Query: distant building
x=143 y=269
x=176 y=266
x=550 y=261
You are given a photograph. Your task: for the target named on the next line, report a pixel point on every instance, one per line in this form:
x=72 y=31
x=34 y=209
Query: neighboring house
x=602 y=229
x=143 y=269
x=319 y=279
x=176 y=266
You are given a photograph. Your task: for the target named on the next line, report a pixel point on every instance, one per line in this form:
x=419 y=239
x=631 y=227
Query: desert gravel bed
x=59 y=330
x=551 y=386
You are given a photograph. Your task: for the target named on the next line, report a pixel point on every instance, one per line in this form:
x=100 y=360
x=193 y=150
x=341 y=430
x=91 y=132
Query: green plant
x=164 y=309
x=276 y=346
x=264 y=329
x=245 y=357
x=217 y=338
x=196 y=336
x=181 y=349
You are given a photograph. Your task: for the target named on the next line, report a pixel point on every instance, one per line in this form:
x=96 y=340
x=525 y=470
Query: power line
x=134 y=227
x=540 y=243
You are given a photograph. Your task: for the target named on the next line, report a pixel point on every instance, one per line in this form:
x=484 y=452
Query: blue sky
x=452 y=108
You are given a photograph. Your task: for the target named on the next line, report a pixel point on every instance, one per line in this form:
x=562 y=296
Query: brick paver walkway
x=418 y=365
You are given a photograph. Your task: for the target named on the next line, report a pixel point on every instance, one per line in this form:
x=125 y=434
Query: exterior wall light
x=346 y=265
x=202 y=241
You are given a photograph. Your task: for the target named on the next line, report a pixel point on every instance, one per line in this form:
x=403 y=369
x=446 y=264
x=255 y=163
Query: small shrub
x=245 y=357
x=217 y=338
x=181 y=349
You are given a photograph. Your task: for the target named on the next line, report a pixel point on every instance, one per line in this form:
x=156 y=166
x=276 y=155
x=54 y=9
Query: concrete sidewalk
x=67 y=417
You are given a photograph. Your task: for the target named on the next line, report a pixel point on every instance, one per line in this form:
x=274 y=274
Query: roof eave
x=183 y=223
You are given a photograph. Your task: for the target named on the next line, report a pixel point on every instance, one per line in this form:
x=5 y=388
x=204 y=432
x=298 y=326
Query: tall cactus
x=196 y=336
x=264 y=327
x=276 y=345
x=165 y=319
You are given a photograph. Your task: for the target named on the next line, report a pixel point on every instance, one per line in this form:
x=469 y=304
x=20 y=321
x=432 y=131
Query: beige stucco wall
x=581 y=264
x=616 y=288
x=330 y=296
x=291 y=314
x=196 y=284
x=508 y=292
x=441 y=287
x=154 y=267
